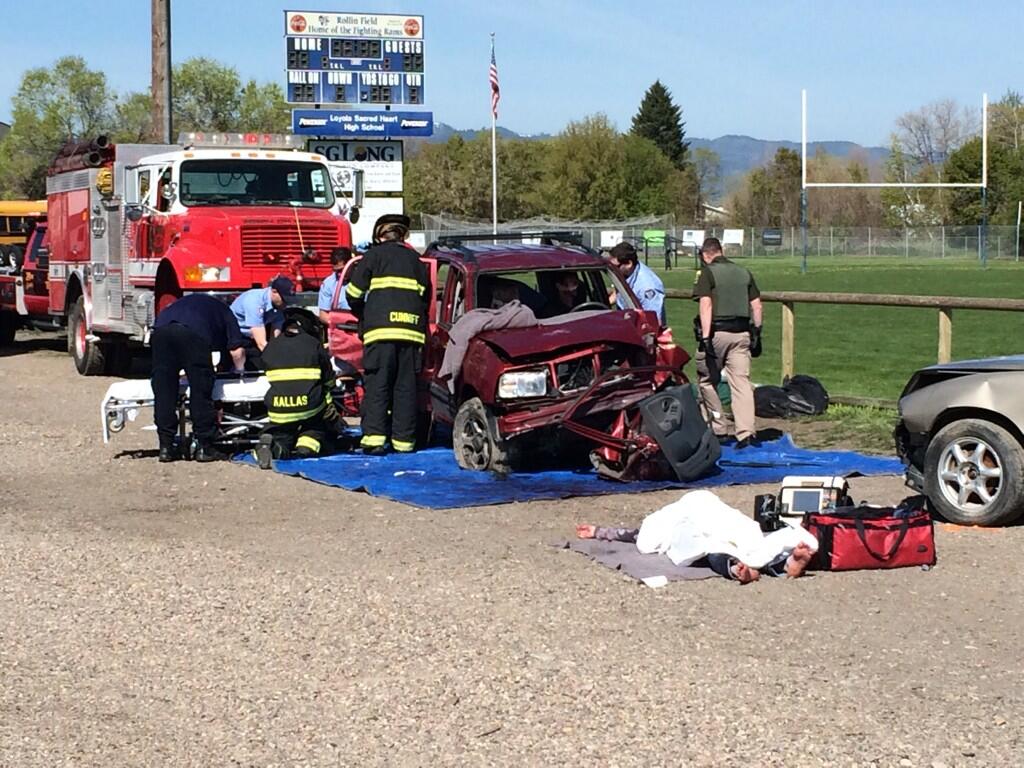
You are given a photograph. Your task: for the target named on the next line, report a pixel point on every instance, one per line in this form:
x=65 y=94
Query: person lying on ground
x=699 y=527
x=792 y=565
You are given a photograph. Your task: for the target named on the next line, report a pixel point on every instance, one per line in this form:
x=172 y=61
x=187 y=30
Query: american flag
x=495 y=90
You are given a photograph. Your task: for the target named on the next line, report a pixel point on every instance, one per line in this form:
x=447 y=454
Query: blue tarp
x=432 y=479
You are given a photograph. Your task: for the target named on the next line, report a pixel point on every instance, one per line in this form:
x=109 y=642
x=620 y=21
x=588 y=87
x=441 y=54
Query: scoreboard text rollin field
x=356 y=59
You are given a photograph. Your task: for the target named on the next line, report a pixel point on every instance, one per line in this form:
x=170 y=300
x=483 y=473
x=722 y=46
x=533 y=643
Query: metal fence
x=936 y=242
x=998 y=243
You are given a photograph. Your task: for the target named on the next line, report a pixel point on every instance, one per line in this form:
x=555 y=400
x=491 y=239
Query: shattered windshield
x=553 y=292
x=255 y=182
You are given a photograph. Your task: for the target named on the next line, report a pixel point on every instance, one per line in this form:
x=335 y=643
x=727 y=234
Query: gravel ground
x=216 y=615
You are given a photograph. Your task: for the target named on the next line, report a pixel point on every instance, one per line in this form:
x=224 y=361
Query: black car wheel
x=974 y=473
x=475 y=439
x=9 y=323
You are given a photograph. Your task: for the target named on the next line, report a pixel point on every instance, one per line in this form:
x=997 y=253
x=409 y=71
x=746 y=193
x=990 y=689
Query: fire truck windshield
x=255 y=182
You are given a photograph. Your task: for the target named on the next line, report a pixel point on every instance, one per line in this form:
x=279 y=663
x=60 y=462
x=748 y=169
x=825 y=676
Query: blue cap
x=285 y=287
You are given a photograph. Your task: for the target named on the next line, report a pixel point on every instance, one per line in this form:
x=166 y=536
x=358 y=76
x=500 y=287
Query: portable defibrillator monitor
x=800 y=495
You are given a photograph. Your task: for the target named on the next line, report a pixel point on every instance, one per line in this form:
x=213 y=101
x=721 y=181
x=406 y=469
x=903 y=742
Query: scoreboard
x=354 y=58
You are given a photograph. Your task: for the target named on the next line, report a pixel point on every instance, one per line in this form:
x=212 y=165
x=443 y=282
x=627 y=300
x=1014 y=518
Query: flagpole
x=494 y=160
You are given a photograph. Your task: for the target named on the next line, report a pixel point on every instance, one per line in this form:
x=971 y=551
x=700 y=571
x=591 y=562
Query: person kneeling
x=303 y=420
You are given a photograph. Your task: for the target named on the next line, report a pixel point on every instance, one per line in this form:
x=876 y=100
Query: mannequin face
x=567 y=288
x=503 y=295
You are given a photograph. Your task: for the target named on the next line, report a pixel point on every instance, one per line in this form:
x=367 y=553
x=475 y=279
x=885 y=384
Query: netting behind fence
x=999 y=242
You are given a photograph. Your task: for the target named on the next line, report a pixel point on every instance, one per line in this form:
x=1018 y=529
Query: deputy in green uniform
x=389 y=292
x=729 y=324
x=303 y=420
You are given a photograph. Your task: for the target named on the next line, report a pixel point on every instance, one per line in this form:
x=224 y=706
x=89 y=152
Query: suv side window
x=454 y=305
x=440 y=283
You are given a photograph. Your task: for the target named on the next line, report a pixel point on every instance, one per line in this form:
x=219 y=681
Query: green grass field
x=871 y=351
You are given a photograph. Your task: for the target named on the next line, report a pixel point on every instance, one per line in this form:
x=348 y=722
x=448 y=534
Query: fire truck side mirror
x=169 y=191
x=133 y=212
x=358 y=190
x=353 y=215
x=348 y=184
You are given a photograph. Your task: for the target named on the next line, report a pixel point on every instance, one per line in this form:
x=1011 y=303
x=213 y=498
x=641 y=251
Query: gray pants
x=733 y=352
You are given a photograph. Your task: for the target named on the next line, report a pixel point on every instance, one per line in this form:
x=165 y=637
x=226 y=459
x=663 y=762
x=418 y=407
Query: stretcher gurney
x=241 y=413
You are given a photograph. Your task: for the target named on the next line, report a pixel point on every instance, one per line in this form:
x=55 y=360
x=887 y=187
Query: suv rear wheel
x=8 y=327
x=476 y=441
x=974 y=473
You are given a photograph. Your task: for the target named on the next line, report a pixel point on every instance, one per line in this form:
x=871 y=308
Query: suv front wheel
x=974 y=473
x=476 y=441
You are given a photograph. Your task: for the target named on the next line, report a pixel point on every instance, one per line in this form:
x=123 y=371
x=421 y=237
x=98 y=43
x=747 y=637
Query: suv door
x=343 y=340
x=450 y=295
x=36 y=273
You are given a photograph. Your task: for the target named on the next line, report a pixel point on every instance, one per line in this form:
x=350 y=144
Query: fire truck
x=132 y=227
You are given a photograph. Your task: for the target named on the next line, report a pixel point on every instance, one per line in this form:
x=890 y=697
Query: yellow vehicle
x=16 y=217
x=16 y=220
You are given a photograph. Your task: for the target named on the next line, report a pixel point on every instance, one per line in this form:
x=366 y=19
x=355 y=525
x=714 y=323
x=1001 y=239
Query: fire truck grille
x=268 y=244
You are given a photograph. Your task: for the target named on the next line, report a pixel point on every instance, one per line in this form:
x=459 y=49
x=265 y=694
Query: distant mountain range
x=739 y=154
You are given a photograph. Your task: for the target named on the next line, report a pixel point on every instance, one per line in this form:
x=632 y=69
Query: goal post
x=806 y=185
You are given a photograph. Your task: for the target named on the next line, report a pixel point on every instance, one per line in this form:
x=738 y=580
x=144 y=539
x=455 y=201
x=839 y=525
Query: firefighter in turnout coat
x=390 y=292
x=303 y=421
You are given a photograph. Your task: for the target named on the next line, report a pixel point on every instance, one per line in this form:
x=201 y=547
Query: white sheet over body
x=700 y=524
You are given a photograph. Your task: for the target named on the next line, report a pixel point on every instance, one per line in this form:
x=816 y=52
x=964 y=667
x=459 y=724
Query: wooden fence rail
x=944 y=304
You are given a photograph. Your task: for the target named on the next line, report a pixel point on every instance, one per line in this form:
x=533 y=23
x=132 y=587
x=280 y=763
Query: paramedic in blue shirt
x=340 y=256
x=641 y=279
x=257 y=307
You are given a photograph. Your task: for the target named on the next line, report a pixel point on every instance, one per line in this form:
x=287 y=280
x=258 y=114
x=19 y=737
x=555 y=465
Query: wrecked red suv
x=587 y=358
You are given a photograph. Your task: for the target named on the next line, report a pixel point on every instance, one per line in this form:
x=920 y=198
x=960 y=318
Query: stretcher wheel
x=115 y=421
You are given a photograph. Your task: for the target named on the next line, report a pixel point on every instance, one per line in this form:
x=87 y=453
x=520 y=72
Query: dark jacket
x=207 y=317
x=300 y=375
x=390 y=292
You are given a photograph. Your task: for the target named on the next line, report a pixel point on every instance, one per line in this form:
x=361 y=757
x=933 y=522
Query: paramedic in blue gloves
x=641 y=279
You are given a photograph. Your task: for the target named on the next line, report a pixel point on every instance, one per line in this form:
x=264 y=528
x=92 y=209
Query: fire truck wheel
x=88 y=355
x=8 y=260
x=118 y=359
x=8 y=327
x=17 y=256
x=476 y=441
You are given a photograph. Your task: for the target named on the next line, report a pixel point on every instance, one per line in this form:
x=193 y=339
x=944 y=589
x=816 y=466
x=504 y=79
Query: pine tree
x=661 y=121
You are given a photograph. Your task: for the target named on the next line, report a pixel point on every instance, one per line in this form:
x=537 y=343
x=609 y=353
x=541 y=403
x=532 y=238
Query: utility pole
x=161 y=75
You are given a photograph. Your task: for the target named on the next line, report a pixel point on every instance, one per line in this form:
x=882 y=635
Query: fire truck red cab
x=132 y=227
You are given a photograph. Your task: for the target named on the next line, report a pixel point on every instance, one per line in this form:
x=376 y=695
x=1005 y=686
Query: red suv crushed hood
x=583 y=329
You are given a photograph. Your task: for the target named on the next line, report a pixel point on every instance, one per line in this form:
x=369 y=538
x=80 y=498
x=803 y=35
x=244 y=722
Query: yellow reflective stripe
x=280 y=417
x=394 y=334
x=402 y=283
x=372 y=441
x=305 y=441
x=354 y=290
x=293 y=374
x=402 y=445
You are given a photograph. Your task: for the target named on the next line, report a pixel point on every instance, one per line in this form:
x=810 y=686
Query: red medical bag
x=862 y=537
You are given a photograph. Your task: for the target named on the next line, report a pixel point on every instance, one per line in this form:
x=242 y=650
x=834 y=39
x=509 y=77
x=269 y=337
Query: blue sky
x=734 y=67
